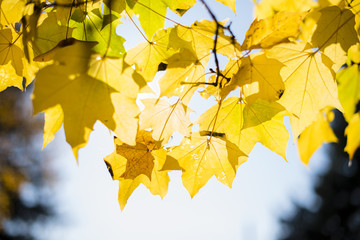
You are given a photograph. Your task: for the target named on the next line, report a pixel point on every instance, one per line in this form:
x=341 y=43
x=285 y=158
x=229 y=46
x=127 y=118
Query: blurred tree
x=338 y=213
x=24 y=174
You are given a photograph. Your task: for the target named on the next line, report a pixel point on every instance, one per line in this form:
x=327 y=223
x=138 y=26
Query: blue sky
x=263 y=191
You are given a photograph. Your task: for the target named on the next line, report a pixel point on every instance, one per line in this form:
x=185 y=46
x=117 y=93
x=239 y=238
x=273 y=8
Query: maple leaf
x=142 y=163
x=148 y=55
x=229 y=3
x=353 y=136
x=100 y=28
x=267 y=32
x=226 y=118
x=49 y=34
x=54 y=118
x=315 y=135
x=259 y=77
x=348 y=83
x=66 y=81
x=152 y=13
x=199 y=38
x=268 y=8
x=165 y=118
x=64 y=9
x=184 y=71
x=201 y=158
x=264 y=123
x=14 y=66
x=246 y=124
x=116 y=5
x=118 y=75
x=309 y=83
x=11 y=12
x=335 y=33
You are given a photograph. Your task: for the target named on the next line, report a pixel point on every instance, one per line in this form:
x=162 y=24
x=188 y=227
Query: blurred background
x=45 y=195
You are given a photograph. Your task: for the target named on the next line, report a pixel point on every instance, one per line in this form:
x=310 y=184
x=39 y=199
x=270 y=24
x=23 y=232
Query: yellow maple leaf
x=142 y=163
x=309 y=83
x=226 y=118
x=267 y=32
x=152 y=13
x=199 y=38
x=315 y=135
x=268 y=8
x=229 y=3
x=353 y=135
x=54 y=118
x=246 y=124
x=165 y=118
x=184 y=72
x=66 y=82
x=259 y=77
x=264 y=123
x=11 y=12
x=148 y=55
x=201 y=158
x=118 y=75
x=349 y=83
x=48 y=34
x=335 y=33
x=13 y=64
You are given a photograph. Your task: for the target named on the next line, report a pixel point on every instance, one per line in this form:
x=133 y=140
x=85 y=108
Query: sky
x=264 y=189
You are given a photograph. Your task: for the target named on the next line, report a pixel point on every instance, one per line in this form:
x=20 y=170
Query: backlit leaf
x=93 y=29
x=13 y=64
x=259 y=77
x=315 y=135
x=353 y=135
x=349 y=87
x=267 y=32
x=148 y=55
x=335 y=33
x=309 y=83
x=66 y=82
x=165 y=118
x=142 y=163
x=201 y=158
x=229 y=3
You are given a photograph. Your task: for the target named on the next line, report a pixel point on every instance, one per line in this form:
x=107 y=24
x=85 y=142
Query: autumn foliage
x=299 y=59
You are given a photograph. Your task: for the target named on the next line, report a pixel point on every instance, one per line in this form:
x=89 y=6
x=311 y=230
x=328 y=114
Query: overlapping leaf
x=142 y=163
x=315 y=135
x=349 y=83
x=335 y=33
x=201 y=158
x=49 y=34
x=101 y=28
x=353 y=135
x=184 y=73
x=260 y=77
x=229 y=3
x=267 y=32
x=268 y=8
x=66 y=82
x=13 y=64
x=11 y=12
x=165 y=118
x=148 y=55
x=309 y=83
x=247 y=124
x=152 y=13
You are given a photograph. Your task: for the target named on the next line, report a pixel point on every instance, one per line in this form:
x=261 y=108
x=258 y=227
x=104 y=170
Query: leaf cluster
x=299 y=60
